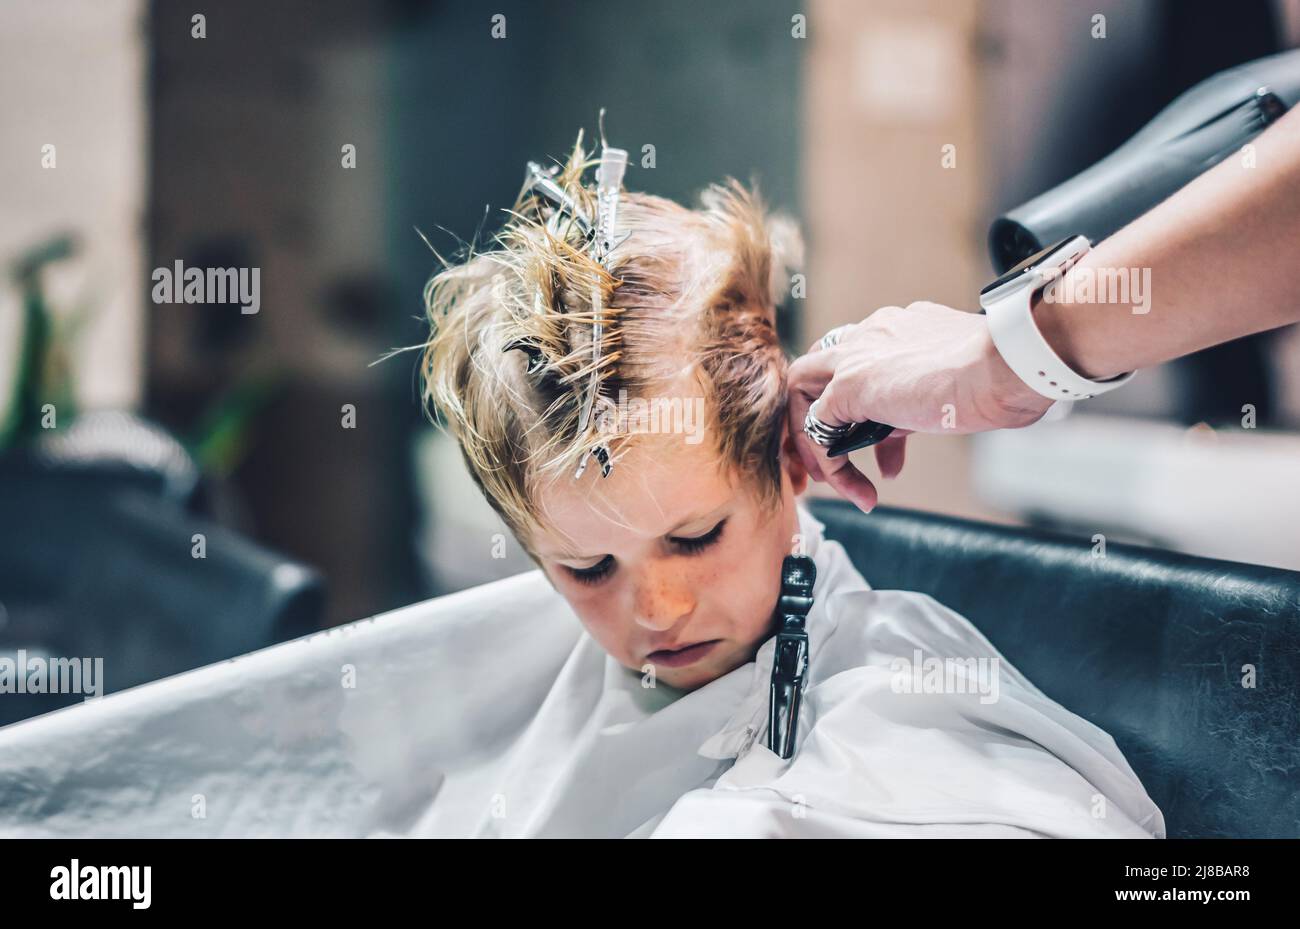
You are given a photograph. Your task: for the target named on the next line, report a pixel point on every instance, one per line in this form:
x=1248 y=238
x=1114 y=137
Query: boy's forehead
x=650 y=493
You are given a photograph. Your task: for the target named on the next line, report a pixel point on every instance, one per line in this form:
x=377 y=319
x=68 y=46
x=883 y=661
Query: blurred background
x=181 y=483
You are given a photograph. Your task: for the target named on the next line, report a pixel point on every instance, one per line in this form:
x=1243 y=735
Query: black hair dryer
x=1199 y=129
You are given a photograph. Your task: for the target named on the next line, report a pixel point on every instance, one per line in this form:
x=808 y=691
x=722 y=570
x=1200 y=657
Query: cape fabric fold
x=491 y=712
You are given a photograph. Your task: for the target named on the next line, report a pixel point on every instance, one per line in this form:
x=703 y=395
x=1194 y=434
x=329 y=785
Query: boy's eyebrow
x=572 y=556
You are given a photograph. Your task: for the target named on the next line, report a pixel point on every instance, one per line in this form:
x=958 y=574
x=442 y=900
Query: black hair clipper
x=790 y=659
x=859 y=435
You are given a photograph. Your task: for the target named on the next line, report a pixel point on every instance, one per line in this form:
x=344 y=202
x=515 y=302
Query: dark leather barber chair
x=97 y=561
x=1147 y=644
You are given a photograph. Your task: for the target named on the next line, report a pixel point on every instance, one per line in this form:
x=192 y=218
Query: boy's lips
x=680 y=657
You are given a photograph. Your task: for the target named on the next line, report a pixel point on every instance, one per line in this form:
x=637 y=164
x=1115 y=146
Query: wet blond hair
x=688 y=292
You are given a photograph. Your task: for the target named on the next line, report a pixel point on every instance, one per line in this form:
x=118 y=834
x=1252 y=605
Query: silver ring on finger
x=833 y=337
x=820 y=432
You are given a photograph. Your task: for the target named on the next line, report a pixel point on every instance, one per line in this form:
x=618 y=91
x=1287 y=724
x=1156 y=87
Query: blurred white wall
x=72 y=75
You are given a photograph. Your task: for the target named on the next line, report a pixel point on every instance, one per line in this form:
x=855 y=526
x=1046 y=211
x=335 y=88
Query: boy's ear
x=793 y=464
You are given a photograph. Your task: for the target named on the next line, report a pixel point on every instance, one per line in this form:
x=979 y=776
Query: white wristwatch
x=1008 y=303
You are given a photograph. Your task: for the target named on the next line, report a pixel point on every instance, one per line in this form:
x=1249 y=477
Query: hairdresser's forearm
x=1224 y=260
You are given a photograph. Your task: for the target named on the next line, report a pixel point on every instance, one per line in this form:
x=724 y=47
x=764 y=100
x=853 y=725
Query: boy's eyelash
x=694 y=545
x=598 y=571
x=595 y=573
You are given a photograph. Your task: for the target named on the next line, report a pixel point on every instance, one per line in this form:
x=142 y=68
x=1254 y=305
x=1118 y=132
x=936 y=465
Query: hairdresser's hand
x=926 y=368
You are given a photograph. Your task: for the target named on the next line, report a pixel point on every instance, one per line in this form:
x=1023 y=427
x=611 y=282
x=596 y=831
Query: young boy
x=667 y=544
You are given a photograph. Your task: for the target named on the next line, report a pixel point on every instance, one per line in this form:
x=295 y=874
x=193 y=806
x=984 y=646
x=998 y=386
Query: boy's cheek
x=607 y=628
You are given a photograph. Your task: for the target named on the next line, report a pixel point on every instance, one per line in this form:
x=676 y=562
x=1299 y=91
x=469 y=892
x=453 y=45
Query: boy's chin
x=697 y=675
x=686 y=680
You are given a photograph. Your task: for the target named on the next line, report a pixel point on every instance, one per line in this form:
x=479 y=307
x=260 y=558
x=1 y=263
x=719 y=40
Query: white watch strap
x=1026 y=352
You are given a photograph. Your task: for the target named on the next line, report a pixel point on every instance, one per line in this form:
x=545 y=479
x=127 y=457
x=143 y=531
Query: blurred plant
x=43 y=373
x=223 y=436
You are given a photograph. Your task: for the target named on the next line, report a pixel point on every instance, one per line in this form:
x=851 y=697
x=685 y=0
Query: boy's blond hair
x=690 y=292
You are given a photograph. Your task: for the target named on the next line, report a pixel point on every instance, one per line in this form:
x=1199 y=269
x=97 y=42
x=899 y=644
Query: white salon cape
x=492 y=713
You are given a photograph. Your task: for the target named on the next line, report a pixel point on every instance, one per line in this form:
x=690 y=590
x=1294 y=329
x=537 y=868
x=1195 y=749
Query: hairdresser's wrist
x=1094 y=327
x=1059 y=322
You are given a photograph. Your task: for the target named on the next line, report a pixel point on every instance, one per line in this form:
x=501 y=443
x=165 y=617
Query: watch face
x=1045 y=257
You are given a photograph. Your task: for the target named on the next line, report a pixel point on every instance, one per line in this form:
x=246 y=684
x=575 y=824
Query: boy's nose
x=663 y=597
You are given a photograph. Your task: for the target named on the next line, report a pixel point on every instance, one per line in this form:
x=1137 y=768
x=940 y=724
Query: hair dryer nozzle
x=1198 y=130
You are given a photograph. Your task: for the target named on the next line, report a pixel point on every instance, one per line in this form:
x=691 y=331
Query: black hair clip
x=536 y=361
x=790 y=659
x=602 y=455
x=535 y=357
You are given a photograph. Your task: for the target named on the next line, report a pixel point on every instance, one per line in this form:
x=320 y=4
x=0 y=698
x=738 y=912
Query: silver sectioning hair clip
x=539 y=181
x=609 y=183
x=602 y=238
